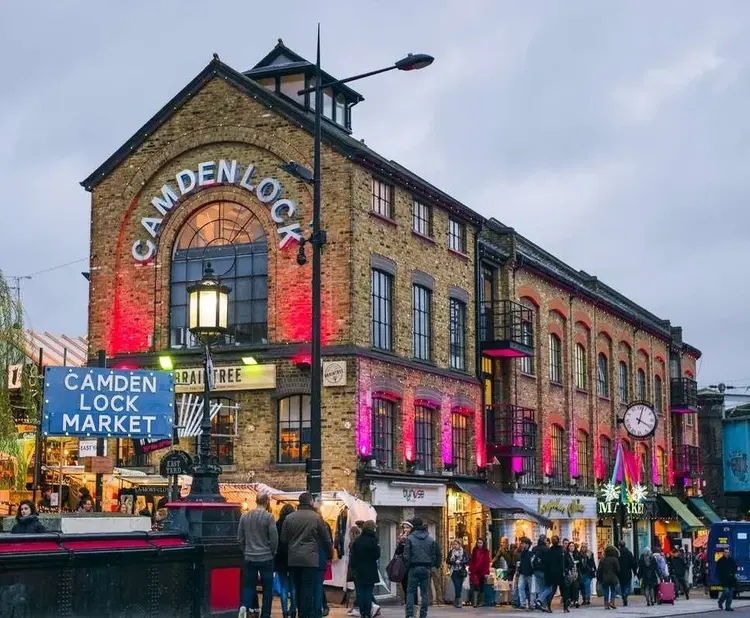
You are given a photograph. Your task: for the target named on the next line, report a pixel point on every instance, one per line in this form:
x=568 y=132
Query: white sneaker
x=243 y=612
x=354 y=611
x=375 y=610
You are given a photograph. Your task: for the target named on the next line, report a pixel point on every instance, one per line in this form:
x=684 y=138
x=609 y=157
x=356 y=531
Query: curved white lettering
x=268 y=190
x=68 y=378
x=281 y=205
x=143 y=250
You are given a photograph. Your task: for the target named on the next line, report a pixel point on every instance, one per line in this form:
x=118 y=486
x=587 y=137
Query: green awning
x=683 y=512
x=705 y=510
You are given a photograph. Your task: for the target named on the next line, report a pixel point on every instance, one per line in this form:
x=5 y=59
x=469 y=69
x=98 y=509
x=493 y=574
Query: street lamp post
x=207 y=321
x=318 y=239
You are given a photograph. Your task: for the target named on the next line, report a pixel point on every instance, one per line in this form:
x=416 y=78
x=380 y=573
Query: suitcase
x=665 y=592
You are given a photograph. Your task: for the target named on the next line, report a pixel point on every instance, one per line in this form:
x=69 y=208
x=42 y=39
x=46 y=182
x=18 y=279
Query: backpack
x=536 y=561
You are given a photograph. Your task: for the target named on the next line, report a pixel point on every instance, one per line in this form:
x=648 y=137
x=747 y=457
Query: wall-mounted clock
x=640 y=420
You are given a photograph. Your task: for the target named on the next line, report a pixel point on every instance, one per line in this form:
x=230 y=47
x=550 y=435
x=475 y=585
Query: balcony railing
x=683 y=397
x=511 y=432
x=687 y=461
x=506 y=328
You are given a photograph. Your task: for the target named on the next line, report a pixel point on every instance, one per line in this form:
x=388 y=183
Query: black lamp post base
x=205 y=485
x=204 y=522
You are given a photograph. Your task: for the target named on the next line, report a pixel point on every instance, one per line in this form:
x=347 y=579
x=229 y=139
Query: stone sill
x=384 y=219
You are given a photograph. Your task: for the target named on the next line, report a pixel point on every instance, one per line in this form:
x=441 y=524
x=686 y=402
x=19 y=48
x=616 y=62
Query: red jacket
x=479 y=565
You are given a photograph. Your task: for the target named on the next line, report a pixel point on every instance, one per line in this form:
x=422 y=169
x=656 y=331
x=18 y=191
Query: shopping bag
x=449 y=591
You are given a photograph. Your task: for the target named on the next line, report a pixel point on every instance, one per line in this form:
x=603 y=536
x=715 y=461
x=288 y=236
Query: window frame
x=557 y=438
x=658 y=394
x=584 y=466
x=457 y=343
x=602 y=375
x=421 y=317
x=421 y=219
x=424 y=435
x=460 y=442
x=381 y=328
x=581 y=367
x=384 y=196
x=605 y=448
x=555 y=359
x=623 y=383
x=641 y=389
x=457 y=241
x=383 y=433
x=302 y=399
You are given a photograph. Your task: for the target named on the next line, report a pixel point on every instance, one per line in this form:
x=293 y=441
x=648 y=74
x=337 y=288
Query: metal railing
x=683 y=395
x=687 y=461
x=511 y=431
x=506 y=321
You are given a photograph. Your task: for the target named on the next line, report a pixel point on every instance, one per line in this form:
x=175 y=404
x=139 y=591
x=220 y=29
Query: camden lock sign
x=209 y=173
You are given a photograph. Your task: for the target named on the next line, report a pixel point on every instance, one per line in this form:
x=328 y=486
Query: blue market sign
x=107 y=403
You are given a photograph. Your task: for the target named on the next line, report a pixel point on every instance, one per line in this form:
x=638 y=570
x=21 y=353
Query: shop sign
x=210 y=173
x=408 y=494
x=145 y=446
x=108 y=403
x=150 y=490
x=176 y=463
x=15 y=376
x=334 y=373
x=571 y=508
x=87 y=448
x=614 y=497
x=227 y=378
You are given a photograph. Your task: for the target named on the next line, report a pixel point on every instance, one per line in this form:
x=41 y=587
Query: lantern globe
x=208 y=307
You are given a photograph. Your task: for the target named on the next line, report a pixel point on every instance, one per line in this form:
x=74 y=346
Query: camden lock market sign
x=209 y=173
x=613 y=500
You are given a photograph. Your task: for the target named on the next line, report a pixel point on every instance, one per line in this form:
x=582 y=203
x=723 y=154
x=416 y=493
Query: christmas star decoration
x=637 y=493
x=611 y=492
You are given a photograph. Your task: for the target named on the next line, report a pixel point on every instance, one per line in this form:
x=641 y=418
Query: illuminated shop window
x=232 y=239
x=294 y=429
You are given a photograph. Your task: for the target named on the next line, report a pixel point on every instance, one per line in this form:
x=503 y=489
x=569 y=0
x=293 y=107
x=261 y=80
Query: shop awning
x=683 y=512
x=494 y=498
x=705 y=511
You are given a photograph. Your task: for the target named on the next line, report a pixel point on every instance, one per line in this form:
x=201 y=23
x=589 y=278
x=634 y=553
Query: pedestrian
x=46 y=501
x=324 y=571
x=479 y=569
x=83 y=495
x=726 y=573
x=303 y=531
x=554 y=577
x=406 y=529
x=587 y=570
x=86 y=505
x=648 y=574
x=679 y=570
x=570 y=570
x=421 y=553
x=503 y=558
x=457 y=562
x=525 y=574
x=351 y=576
x=27 y=520
x=364 y=556
x=628 y=568
x=662 y=570
x=609 y=575
x=287 y=592
x=537 y=563
x=258 y=539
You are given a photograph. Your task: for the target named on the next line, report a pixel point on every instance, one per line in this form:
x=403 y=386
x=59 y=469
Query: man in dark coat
x=364 y=560
x=421 y=553
x=726 y=573
x=553 y=575
x=628 y=568
x=679 y=570
x=537 y=563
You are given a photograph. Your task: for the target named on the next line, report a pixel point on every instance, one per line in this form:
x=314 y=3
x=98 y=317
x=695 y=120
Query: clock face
x=640 y=420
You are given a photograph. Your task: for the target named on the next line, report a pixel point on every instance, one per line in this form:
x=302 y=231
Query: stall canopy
x=691 y=521
x=497 y=499
x=704 y=510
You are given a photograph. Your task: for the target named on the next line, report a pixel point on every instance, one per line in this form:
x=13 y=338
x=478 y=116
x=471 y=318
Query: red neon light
x=547 y=456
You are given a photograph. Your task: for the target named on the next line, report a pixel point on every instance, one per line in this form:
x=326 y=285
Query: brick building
x=409 y=356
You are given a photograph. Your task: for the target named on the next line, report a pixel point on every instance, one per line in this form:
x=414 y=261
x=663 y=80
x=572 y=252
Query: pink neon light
x=654 y=468
x=598 y=467
x=547 y=457
x=481 y=450
x=364 y=424
x=670 y=471
x=573 y=448
x=446 y=447
x=410 y=454
x=517 y=462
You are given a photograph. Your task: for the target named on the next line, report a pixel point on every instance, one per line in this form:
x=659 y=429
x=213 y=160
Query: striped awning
x=57 y=350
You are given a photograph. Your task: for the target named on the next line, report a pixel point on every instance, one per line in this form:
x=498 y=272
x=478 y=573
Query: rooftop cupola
x=286 y=73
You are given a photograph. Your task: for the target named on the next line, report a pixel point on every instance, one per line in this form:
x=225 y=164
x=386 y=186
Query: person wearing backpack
x=421 y=553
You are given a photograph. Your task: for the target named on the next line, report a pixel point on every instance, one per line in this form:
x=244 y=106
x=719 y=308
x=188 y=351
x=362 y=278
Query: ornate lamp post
x=208 y=308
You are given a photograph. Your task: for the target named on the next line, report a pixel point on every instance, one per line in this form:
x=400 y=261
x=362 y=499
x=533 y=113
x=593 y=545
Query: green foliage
x=11 y=353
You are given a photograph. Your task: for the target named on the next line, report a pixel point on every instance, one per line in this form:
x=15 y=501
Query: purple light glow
x=364 y=424
x=446 y=447
x=505 y=353
x=573 y=447
x=654 y=468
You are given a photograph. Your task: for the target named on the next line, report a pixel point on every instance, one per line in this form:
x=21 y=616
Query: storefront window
x=223 y=429
x=294 y=429
x=558 y=454
x=382 y=431
x=423 y=436
x=230 y=237
x=460 y=435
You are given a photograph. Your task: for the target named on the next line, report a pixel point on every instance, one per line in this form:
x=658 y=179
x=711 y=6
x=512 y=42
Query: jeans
x=306 y=583
x=524 y=588
x=288 y=595
x=609 y=593
x=682 y=585
x=249 y=598
x=365 y=593
x=321 y=602
x=539 y=584
x=458 y=585
x=586 y=580
x=649 y=592
x=419 y=577
x=625 y=589
x=725 y=598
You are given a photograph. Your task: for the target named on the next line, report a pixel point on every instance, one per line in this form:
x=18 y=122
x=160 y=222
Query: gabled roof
x=332 y=135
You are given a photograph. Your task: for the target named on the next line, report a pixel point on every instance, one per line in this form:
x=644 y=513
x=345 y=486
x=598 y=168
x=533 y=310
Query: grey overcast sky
x=613 y=134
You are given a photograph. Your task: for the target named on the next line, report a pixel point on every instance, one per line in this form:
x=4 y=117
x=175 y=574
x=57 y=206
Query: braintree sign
x=210 y=173
x=108 y=403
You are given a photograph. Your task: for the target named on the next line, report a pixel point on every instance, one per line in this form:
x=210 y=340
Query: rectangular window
x=580 y=367
x=456 y=236
x=658 y=395
x=640 y=385
x=645 y=468
x=294 y=429
x=661 y=464
x=382 y=198
x=602 y=374
x=558 y=455
x=460 y=440
x=421 y=218
x=584 y=469
x=605 y=455
x=624 y=390
x=421 y=322
x=457 y=334
x=555 y=359
x=382 y=310
x=527 y=338
x=528 y=472
x=382 y=431
x=423 y=436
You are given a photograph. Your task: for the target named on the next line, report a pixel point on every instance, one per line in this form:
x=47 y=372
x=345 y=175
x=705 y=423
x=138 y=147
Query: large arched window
x=232 y=239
